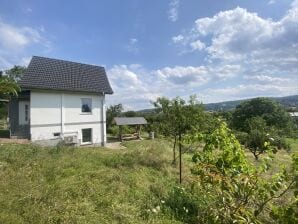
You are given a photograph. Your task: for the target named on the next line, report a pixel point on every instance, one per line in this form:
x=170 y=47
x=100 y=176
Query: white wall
x=61 y=112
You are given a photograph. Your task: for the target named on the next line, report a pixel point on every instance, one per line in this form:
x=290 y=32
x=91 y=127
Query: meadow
x=91 y=185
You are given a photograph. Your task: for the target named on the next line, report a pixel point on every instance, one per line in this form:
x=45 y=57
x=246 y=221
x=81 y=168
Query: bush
x=114 y=130
x=4 y=134
x=227 y=188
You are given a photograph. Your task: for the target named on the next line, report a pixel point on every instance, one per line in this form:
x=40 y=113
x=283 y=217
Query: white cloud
x=173 y=10
x=14 y=40
x=257 y=51
x=135 y=87
x=242 y=36
x=132 y=46
x=197 y=45
x=271 y=2
x=178 y=38
x=184 y=75
x=266 y=79
x=244 y=91
x=130 y=87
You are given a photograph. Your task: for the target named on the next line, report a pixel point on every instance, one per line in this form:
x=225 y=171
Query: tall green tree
x=16 y=72
x=8 y=87
x=270 y=111
x=113 y=111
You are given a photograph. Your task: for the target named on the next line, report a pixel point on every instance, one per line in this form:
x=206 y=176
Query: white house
x=61 y=100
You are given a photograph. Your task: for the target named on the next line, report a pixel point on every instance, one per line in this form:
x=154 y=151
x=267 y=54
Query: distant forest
x=289 y=102
x=286 y=101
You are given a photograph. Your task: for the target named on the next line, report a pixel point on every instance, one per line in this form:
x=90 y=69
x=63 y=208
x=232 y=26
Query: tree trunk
x=174 y=152
x=180 y=160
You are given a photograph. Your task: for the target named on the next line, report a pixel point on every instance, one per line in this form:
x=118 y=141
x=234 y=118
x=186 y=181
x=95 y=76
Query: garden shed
x=130 y=121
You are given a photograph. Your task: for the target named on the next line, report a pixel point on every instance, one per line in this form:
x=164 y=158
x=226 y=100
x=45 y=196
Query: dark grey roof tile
x=55 y=74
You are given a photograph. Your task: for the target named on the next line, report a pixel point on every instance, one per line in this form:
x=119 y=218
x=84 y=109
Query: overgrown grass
x=85 y=185
x=92 y=185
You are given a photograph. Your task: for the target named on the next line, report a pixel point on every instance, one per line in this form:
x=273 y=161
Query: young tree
x=258 y=139
x=177 y=119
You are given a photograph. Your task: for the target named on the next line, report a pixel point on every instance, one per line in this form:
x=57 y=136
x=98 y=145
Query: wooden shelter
x=130 y=121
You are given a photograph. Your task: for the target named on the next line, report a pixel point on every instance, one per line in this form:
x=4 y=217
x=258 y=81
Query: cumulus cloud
x=197 y=45
x=184 y=75
x=245 y=56
x=13 y=42
x=135 y=86
x=240 y=35
x=173 y=10
x=258 y=54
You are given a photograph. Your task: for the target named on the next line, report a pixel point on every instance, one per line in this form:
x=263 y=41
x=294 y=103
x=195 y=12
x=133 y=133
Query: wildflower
x=154 y=210
x=162 y=201
x=158 y=208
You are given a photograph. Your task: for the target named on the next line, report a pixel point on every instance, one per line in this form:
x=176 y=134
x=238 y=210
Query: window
x=86 y=105
x=56 y=134
x=87 y=135
x=26 y=112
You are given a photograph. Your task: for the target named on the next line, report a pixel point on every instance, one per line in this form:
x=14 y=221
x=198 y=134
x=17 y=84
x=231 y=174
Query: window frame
x=88 y=142
x=26 y=118
x=82 y=99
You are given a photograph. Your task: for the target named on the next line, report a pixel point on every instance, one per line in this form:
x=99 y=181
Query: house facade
x=61 y=100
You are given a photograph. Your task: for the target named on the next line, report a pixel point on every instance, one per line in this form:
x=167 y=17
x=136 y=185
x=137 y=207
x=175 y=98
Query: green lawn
x=90 y=185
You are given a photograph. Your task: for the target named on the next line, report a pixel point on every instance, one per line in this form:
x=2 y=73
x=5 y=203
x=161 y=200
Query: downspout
x=62 y=115
x=103 y=131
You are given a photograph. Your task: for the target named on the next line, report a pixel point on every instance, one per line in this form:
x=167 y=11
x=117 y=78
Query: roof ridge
x=68 y=61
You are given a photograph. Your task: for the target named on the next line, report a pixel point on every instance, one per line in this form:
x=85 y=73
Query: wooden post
x=139 y=131
x=180 y=160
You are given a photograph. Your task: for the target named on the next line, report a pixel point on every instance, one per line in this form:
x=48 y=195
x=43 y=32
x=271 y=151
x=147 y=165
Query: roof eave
x=64 y=90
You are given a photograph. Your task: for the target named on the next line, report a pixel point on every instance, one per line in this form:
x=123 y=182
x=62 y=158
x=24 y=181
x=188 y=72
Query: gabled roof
x=55 y=74
x=129 y=120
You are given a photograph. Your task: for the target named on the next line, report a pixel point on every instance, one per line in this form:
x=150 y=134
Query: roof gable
x=129 y=120
x=55 y=74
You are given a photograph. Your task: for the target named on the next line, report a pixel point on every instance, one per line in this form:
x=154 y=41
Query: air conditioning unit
x=72 y=139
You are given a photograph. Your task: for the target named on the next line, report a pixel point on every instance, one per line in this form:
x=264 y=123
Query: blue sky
x=218 y=50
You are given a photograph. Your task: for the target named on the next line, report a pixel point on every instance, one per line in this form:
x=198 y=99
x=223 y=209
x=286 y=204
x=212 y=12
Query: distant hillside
x=286 y=101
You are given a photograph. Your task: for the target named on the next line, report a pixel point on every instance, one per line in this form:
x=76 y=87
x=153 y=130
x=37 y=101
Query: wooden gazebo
x=131 y=121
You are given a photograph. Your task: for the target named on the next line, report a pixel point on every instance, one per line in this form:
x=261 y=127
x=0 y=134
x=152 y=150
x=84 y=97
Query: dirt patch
x=16 y=141
x=115 y=145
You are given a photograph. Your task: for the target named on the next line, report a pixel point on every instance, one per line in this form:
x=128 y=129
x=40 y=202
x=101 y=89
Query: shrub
x=4 y=134
x=228 y=187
